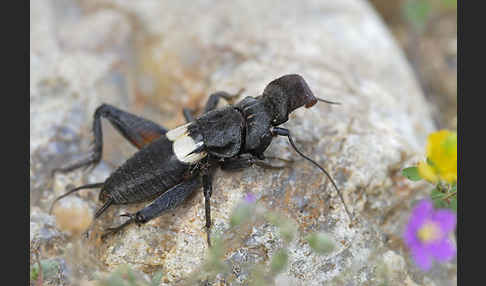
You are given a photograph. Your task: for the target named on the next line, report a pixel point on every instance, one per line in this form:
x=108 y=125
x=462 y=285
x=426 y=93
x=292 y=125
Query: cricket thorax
x=221 y=131
x=218 y=133
x=258 y=123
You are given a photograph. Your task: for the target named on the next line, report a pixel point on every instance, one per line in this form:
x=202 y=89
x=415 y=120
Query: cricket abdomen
x=147 y=174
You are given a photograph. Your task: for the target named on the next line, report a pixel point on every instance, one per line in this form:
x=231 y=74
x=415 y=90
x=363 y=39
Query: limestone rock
x=154 y=57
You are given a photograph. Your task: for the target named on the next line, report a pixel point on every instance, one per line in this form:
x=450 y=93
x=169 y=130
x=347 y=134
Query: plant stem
x=449 y=195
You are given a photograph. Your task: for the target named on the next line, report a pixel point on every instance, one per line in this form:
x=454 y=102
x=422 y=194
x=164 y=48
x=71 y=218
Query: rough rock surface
x=153 y=57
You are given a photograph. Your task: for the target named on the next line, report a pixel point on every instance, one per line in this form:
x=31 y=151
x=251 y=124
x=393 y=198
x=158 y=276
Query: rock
x=43 y=233
x=73 y=215
x=180 y=54
x=97 y=31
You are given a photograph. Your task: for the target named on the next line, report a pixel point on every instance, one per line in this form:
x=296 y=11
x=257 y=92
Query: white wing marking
x=183 y=145
x=177 y=132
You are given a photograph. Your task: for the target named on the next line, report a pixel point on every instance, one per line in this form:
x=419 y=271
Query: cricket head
x=287 y=93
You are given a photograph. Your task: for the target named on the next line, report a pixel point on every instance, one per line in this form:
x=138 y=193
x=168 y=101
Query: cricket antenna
x=285 y=132
x=89 y=186
x=327 y=101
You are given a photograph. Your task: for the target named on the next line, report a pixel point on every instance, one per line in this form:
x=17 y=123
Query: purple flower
x=250 y=198
x=427 y=234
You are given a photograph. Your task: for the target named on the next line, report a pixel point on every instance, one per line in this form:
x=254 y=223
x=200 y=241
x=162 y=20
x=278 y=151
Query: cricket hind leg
x=212 y=103
x=168 y=200
x=137 y=130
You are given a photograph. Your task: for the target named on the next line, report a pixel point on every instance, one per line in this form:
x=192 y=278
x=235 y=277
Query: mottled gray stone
x=190 y=50
x=43 y=227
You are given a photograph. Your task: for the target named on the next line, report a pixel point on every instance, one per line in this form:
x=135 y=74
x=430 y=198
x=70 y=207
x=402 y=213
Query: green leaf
x=279 y=260
x=50 y=268
x=321 y=242
x=287 y=230
x=438 y=198
x=444 y=200
x=241 y=214
x=412 y=174
x=34 y=273
x=215 y=260
x=257 y=276
x=156 y=278
x=273 y=218
x=454 y=188
x=286 y=226
x=115 y=279
x=450 y=3
x=453 y=204
x=417 y=13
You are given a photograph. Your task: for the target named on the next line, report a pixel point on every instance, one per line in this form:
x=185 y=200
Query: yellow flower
x=427 y=172
x=441 y=157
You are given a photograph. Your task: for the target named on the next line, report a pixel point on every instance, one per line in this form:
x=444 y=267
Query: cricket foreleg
x=188 y=114
x=168 y=200
x=212 y=103
x=246 y=161
x=215 y=97
x=137 y=130
x=208 y=191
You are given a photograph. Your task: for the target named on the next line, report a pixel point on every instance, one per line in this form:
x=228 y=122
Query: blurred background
x=427 y=32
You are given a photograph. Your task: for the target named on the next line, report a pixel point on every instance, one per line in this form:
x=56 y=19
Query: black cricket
x=172 y=164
